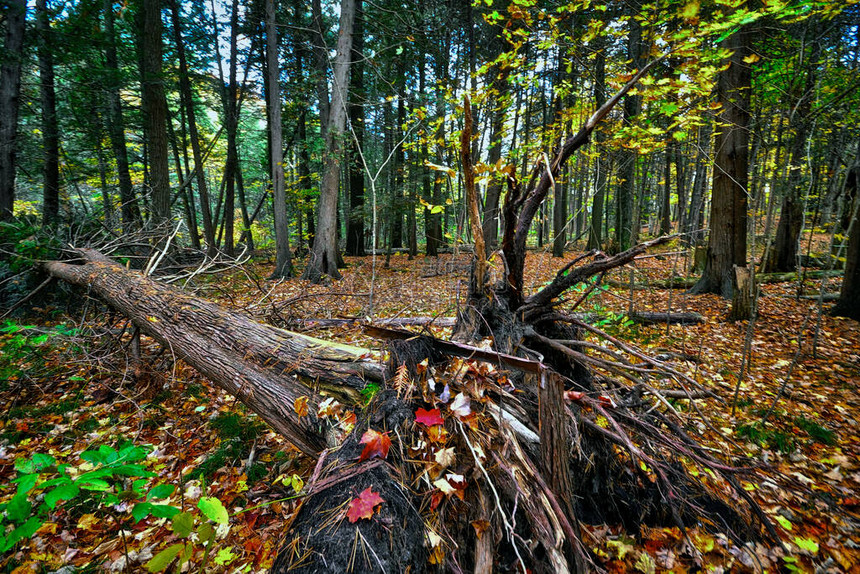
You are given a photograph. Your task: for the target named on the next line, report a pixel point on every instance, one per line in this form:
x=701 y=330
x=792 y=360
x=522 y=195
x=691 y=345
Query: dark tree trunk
x=727 y=245
x=116 y=126
x=625 y=226
x=231 y=113
x=14 y=12
x=155 y=114
x=50 y=128
x=783 y=255
x=595 y=240
x=355 y=217
x=848 y=304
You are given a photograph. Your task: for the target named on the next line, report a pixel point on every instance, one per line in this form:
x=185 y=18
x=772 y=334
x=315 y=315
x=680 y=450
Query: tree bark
x=848 y=304
x=283 y=257
x=323 y=258
x=267 y=368
x=355 y=217
x=727 y=245
x=155 y=114
x=15 y=12
x=50 y=129
x=116 y=125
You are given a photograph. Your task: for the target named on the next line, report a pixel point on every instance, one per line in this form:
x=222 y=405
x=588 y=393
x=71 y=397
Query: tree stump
x=742 y=294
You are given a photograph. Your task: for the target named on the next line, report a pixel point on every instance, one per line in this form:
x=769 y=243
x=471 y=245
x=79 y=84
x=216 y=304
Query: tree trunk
x=355 y=216
x=323 y=258
x=283 y=257
x=116 y=125
x=727 y=245
x=50 y=129
x=267 y=368
x=848 y=304
x=155 y=114
x=595 y=237
x=624 y=214
x=15 y=12
x=231 y=113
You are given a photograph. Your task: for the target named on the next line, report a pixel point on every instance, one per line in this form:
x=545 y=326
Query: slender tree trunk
x=355 y=218
x=14 y=12
x=323 y=259
x=624 y=215
x=231 y=113
x=785 y=246
x=601 y=177
x=848 y=304
x=321 y=62
x=155 y=113
x=116 y=126
x=727 y=245
x=283 y=257
x=665 y=207
x=50 y=129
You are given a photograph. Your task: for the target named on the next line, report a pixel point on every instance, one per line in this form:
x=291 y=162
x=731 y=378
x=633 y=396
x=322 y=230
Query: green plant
x=759 y=434
x=815 y=431
x=102 y=479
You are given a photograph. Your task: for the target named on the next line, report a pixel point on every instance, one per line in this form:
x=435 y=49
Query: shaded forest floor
x=72 y=385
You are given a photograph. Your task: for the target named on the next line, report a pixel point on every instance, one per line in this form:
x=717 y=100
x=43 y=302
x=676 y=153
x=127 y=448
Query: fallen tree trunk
x=684 y=283
x=268 y=369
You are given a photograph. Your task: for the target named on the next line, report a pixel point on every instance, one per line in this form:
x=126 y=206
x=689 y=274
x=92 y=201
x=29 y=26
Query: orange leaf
x=300 y=405
x=375 y=445
x=363 y=506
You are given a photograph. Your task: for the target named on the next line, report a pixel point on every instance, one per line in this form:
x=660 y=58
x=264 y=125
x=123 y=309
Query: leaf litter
x=74 y=393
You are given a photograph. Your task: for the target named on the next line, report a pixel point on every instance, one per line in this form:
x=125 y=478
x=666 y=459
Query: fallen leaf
x=428 y=418
x=445 y=457
x=376 y=445
x=461 y=406
x=364 y=505
x=300 y=405
x=574 y=395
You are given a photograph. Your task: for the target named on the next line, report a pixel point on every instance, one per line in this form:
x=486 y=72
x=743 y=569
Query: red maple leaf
x=428 y=418
x=364 y=505
x=376 y=445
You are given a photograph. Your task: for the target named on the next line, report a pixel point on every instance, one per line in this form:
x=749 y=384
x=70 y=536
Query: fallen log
x=267 y=368
x=685 y=283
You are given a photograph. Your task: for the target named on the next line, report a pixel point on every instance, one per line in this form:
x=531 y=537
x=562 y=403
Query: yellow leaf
x=752 y=59
x=690 y=10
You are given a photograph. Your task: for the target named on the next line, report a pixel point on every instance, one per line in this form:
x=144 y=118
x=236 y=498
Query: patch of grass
x=815 y=431
x=773 y=439
x=237 y=434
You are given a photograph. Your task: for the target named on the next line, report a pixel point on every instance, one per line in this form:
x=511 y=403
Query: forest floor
x=71 y=387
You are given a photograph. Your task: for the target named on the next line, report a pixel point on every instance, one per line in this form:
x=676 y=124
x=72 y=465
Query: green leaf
x=205 y=532
x=64 y=492
x=26 y=530
x=164 y=558
x=26 y=483
x=54 y=482
x=41 y=461
x=18 y=509
x=807 y=544
x=213 y=509
x=140 y=511
x=24 y=465
x=784 y=522
x=225 y=556
x=164 y=511
x=183 y=524
x=95 y=484
x=160 y=491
